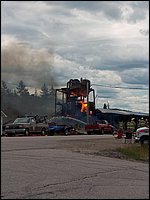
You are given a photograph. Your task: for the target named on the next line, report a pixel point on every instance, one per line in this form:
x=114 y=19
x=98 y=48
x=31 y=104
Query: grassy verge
x=135 y=152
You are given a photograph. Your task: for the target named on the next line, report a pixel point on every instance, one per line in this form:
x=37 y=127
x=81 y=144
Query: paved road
x=35 y=168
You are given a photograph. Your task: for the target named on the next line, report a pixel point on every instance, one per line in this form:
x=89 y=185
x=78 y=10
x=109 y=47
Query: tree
x=44 y=91
x=35 y=93
x=105 y=106
x=52 y=91
x=14 y=92
x=21 y=89
x=4 y=88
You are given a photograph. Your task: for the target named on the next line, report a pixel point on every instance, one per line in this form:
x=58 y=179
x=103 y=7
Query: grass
x=135 y=152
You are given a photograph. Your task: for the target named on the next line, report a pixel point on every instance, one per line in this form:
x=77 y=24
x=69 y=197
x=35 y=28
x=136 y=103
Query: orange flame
x=74 y=94
x=84 y=106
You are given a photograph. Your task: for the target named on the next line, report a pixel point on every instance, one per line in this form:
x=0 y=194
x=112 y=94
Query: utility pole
x=55 y=100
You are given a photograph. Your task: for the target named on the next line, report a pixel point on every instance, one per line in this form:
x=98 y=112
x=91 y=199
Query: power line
x=101 y=85
x=121 y=87
x=119 y=99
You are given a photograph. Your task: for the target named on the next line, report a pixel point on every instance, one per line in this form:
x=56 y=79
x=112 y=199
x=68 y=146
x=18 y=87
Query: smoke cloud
x=20 y=61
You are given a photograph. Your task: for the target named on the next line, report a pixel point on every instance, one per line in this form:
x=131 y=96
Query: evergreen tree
x=21 y=89
x=4 y=88
x=52 y=91
x=14 y=92
x=44 y=91
x=105 y=106
x=35 y=93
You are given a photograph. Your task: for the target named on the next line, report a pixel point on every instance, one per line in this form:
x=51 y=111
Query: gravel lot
x=104 y=146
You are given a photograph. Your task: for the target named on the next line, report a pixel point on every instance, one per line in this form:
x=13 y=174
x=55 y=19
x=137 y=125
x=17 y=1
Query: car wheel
x=9 y=135
x=102 y=132
x=89 y=132
x=66 y=132
x=27 y=132
x=43 y=131
x=145 y=142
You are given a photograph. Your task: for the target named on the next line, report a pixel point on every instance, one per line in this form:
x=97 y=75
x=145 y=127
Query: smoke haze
x=20 y=61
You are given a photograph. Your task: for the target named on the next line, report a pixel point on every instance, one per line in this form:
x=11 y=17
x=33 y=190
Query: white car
x=142 y=135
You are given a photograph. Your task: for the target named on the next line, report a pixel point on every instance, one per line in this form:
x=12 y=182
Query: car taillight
x=20 y=126
x=7 y=126
x=142 y=131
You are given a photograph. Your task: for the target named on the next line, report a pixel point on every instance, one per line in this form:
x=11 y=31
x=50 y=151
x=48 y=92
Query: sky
x=106 y=42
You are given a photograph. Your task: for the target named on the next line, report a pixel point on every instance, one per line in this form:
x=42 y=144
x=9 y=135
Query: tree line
x=22 y=90
x=19 y=102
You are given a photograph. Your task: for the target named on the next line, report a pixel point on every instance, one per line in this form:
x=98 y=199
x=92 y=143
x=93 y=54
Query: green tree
x=21 y=89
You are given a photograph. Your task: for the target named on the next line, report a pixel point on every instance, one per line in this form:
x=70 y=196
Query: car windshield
x=22 y=120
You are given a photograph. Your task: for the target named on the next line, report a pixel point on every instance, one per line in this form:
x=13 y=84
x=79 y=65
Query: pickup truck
x=27 y=125
x=101 y=127
x=142 y=135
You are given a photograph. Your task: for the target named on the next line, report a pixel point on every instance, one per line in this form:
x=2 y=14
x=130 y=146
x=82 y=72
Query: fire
x=74 y=93
x=84 y=106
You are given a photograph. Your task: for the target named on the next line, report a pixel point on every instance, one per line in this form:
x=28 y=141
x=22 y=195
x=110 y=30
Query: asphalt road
x=36 y=168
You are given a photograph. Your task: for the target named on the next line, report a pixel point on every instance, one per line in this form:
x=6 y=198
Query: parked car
x=100 y=127
x=27 y=125
x=142 y=135
x=61 y=129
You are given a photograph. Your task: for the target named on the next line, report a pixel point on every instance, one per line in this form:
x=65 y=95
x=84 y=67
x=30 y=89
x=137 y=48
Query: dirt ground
x=102 y=146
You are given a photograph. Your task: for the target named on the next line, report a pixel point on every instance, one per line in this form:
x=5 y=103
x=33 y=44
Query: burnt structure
x=74 y=99
x=77 y=100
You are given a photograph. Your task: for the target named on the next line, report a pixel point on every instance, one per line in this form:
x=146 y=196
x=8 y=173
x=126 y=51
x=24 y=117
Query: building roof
x=122 y=112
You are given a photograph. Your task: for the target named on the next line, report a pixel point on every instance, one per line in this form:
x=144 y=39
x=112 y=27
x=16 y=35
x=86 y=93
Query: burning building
x=75 y=98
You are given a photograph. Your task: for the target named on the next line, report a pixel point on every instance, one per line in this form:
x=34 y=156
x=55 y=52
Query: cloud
x=144 y=32
x=113 y=10
x=136 y=76
x=53 y=42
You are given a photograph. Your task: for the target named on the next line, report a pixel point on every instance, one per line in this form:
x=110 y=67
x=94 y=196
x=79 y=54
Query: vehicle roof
x=142 y=128
x=23 y=117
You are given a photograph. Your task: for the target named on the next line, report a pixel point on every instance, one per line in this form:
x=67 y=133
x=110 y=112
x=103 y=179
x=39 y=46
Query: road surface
x=53 y=168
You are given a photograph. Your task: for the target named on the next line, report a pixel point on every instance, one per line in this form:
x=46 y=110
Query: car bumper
x=14 y=131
